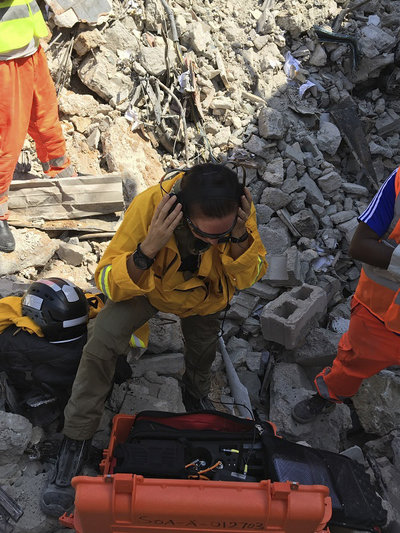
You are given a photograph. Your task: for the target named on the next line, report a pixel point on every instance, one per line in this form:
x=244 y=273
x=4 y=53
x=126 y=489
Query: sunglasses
x=201 y=233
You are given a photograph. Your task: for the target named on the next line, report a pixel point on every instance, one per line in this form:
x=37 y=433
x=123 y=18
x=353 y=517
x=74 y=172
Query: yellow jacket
x=207 y=292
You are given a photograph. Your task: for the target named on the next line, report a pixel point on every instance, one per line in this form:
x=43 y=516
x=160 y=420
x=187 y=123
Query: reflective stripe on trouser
x=366 y=348
x=59 y=167
x=28 y=104
x=4 y=205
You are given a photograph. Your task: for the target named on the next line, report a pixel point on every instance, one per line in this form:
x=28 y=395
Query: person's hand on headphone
x=243 y=214
x=162 y=225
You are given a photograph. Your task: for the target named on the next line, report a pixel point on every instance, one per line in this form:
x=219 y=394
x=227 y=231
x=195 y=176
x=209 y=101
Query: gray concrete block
x=288 y=319
x=284 y=270
x=263 y=290
x=169 y=364
x=242 y=305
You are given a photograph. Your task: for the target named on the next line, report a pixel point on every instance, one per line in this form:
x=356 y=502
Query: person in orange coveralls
x=372 y=342
x=28 y=102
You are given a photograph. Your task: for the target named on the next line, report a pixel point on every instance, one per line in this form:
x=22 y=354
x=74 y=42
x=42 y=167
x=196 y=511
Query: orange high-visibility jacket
x=378 y=290
x=207 y=292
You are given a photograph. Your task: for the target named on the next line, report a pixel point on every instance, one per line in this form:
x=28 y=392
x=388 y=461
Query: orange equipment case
x=128 y=503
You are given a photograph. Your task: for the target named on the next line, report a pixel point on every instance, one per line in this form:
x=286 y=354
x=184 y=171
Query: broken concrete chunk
x=152 y=59
x=15 y=434
x=320 y=348
x=329 y=138
x=263 y=290
x=84 y=105
x=274 y=173
x=88 y=40
x=275 y=236
x=117 y=38
x=354 y=188
x=294 y=152
x=256 y=145
x=71 y=253
x=313 y=192
x=274 y=198
x=98 y=71
x=305 y=223
x=329 y=182
x=319 y=56
x=67 y=13
x=377 y=403
x=127 y=152
x=270 y=123
x=241 y=306
x=284 y=270
x=197 y=37
x=33 y=248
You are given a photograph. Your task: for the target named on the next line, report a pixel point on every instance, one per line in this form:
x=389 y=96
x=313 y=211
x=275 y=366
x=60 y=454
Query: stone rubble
x=306 y=180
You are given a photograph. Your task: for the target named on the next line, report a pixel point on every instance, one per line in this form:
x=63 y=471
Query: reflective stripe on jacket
x=378 y=290
x=20 y=21
x=208 y=291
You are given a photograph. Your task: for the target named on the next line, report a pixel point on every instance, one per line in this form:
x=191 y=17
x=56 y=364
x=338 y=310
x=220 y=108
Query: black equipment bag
x=216 y=445
x=355 y=503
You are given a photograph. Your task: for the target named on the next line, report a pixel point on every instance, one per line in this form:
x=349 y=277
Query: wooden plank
x=66 y=198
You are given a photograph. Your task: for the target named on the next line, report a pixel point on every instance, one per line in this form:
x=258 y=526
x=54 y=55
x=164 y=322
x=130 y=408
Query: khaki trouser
x=109 y=338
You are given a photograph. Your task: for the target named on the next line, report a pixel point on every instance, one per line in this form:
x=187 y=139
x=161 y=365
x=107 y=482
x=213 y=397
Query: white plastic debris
x=308 y=86
x=291 y=66
x=132 y=116
x=185 y=85
x=321 y=264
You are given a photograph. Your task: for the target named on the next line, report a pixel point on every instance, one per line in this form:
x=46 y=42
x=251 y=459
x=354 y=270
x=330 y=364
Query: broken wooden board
x=66 y=198
x=90 y=225
x=347 y=120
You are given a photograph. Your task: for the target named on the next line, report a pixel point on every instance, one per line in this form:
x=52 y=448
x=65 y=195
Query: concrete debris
x=67 y=13
x=138 y=96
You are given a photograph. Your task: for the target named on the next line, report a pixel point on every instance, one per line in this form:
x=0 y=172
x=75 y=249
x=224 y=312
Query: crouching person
x=184 y=247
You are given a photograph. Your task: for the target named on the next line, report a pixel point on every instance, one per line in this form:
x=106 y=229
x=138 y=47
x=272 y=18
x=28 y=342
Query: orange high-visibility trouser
x=366 y=348
x=28 y=104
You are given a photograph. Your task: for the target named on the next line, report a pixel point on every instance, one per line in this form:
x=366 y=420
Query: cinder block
x=284 y=270
x=288 y=319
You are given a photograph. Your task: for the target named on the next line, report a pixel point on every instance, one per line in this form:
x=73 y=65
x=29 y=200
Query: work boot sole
x=55 y=501
x=311 y=418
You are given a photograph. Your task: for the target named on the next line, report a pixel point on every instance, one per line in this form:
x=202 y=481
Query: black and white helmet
x=59 y=307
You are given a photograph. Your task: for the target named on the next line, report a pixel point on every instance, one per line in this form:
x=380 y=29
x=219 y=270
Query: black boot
x=7 y=241
x=307 y=410
x=58 y=497
x=196 y=404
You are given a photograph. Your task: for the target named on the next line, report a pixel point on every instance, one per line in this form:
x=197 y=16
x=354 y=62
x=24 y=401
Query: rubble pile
x=304 y=95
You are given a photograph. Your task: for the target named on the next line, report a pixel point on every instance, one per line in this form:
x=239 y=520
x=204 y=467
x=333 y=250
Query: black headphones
x=216 y=193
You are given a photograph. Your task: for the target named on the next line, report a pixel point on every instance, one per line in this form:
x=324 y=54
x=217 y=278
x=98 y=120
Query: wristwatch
x=141 y=260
